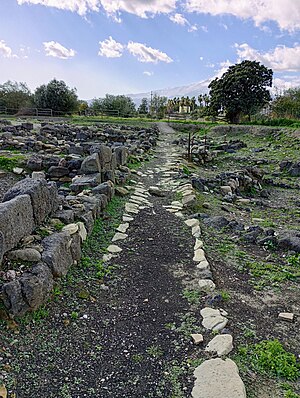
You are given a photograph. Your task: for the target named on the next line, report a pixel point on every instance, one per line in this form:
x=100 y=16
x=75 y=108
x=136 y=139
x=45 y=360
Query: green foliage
x=192 y=296
x=9 y=163
x=270 y=357
x=74 y=315
x=154 y=351
x=288 y=104
x=56 y=95
x=281 y=122
x=143 y=109
x=186 y=170
x=158 y=106
x=241 y=90
x=14 y=96
x=114 y=105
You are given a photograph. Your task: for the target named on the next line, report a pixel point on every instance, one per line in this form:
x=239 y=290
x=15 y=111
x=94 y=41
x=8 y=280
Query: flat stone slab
x=198 y=245
x=127 y=218
x=192 y=222
x=221 y=344
x=286 y=316
x=203 y=265
x=71 y=228
x=217 y=378
x=197 y=338
x=206 y=285
x=114 y=249
x=196 y=231
x=123 y=228
x=119 y=236
x=213 y=319
x=199 y=256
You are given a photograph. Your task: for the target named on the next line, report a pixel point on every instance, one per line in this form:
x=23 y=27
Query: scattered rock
x=212 y=319
x=27 y=254
x=286 y=316
x=206 y=285
x=197 y=338
x=221 y=344
x=114 y=249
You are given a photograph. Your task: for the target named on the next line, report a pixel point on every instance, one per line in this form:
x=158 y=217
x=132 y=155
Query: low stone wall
x=35 y=203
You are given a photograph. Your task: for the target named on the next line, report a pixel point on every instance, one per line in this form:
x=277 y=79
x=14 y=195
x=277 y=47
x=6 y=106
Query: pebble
x=286 y=316
x=197 y=338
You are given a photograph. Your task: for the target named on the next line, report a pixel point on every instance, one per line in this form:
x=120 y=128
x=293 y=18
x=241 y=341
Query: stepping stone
x=203 y=265
x=192 y=222
x=114 y=249
x=156 y=191
x=179 y=214
x=196 y=231
x=188 y=200
x=123 y=228
x=198 y=245
x=221 y=344
x=107 y=257
x=218 y=378
x=212 y=319
x=130 y=208
x=127 y=218
x=199 y=256
x=206 y=285
x=119 y=236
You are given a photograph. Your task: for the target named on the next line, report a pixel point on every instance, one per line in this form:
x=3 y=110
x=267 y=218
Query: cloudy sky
x=131 y=46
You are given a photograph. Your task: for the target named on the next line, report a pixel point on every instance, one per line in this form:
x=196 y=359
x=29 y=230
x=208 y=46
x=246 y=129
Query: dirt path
x=127 y=337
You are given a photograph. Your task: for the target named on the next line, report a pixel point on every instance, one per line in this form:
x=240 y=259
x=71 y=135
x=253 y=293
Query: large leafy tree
x=15 y=96
x=144 y=107
x=241 y=90
x=56 y=95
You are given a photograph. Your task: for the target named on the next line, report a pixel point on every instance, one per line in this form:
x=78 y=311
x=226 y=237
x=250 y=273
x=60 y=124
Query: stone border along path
x=216 y=377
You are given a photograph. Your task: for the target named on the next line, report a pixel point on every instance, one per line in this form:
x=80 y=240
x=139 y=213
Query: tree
x=83 y=107
x=15 y=96
x=56 y=95
x=241 y=90
x=114 y=105
x=144 y=107
x=158 y=105
x=288 y=104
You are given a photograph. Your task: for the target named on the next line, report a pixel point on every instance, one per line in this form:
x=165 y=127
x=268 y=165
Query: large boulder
x=16 y=221
x=57 y=253
x=80 y=183
x=290 y=240
x=41 y=194
x=28 y=292
x=91 y=164
x=106 y=188
x=105 y=156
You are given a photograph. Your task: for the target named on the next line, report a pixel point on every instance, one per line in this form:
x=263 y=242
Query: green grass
x=270 y=358
x=9 y=163
x=192 y=296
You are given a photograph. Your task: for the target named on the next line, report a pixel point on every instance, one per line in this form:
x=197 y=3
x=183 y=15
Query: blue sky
x=131 y=46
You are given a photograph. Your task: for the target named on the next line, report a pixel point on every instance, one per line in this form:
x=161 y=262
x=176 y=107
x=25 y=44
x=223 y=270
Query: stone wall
x=35 y=205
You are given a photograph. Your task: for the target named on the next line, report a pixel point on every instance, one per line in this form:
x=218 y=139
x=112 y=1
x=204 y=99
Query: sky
x=132 y=46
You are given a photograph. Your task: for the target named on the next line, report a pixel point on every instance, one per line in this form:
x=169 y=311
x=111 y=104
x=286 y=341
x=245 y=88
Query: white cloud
x=179 y=19
x=147 y=54
x=204 y=28
x=286 y=13
x=5 y=51
x=55 y=49
x=281 y=58
x=141 y=8
x=110 y=48
x=147 y=73
x=193 y=28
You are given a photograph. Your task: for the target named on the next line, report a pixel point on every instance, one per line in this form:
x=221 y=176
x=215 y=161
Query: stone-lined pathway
x=116 y=339
x=218 y=377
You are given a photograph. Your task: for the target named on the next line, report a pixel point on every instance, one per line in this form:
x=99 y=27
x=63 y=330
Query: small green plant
x=40 y=314
x=58 y=226
x=225 y=295
x=192 y=296
x=74 y=315
x=294 y=260
x=137 y=358
x=186 y=170
x=270 y=357
x=154 y=351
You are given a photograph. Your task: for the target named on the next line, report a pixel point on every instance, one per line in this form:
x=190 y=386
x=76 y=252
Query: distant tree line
x=239 y=94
